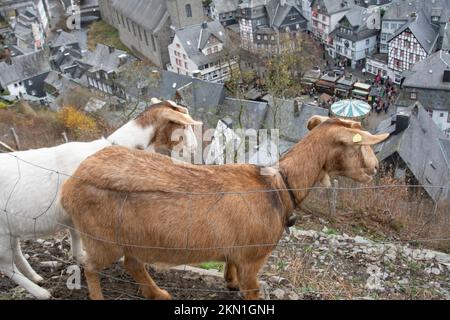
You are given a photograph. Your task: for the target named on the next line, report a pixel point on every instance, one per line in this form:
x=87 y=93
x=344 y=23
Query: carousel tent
x=350 y=108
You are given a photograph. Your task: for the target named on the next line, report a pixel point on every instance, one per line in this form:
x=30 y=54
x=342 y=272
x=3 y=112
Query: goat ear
x=177 y=107
x=180 y=118
x=316 y=121
x=155 y=101
x=359 y=137
x=351 y=124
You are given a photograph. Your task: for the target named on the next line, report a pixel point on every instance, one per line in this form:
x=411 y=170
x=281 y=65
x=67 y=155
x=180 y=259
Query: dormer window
x=188 y=11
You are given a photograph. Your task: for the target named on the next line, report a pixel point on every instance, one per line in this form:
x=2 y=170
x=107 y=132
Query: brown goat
x=151 y=210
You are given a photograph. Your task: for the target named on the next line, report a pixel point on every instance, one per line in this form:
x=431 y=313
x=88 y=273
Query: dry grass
x=101 y=32
x=389 y=212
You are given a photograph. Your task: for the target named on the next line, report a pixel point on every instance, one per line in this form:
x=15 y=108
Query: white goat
x=29 y=192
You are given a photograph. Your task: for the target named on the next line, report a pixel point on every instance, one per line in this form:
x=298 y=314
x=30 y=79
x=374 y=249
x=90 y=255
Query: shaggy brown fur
x=151 y=210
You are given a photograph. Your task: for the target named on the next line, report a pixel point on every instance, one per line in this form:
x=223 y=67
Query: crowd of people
x=387 y=96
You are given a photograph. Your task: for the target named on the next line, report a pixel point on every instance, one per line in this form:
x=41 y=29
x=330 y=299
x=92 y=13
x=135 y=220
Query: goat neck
x=303 y=166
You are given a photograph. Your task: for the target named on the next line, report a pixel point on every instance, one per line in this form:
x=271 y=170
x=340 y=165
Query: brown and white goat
x=151 y=210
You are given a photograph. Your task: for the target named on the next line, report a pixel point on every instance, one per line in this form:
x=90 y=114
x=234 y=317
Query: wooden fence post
x=332 y=197
x=16 y=139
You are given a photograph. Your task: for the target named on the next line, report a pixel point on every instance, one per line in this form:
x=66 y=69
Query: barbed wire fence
x=10 y=217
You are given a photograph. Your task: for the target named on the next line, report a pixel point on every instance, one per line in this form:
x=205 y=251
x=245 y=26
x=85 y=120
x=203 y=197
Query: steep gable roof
x=24 y=67
x=420 y=148
x=422 y=29
x=149 y=14
x=195 y=38
x=428 y=73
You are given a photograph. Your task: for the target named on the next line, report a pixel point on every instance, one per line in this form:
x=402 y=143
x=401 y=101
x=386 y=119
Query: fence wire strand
x=189 y=215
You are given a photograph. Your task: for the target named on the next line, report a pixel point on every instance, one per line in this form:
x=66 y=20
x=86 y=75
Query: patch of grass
x=101 y=32
x=331 y=231
x=3 y=105
x=212 y=265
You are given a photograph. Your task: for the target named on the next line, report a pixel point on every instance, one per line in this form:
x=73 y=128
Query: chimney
x=296 y=109
x=401 y=122
x=196 y=74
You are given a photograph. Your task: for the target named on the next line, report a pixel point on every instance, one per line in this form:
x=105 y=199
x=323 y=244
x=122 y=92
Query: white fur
x=29 y=197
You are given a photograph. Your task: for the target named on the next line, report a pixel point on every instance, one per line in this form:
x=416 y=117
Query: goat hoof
x=37 y=279
x=42 y=295
x=162 y=295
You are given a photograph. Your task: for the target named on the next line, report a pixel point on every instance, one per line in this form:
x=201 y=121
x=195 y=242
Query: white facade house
x=412 y=43
x=198 y=51
x=356 y=36
x=325 y=17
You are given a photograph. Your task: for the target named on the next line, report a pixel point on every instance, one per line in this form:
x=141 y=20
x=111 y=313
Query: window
x=139 y=31
x=216 y=48
x=413 y=95
x=30 y=82
x=184 y=56
x=441 y=115
x=188 y=11
x=146 y=37
x=153 y=43
x=209 y=51
x=367 y=42
x=128 y=25
x=118 y=17
x=134 y=28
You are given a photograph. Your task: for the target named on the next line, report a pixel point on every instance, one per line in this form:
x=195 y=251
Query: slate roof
x=195 y=38
x=402 y=9
x=421 y=77
x=422 y=29
x=202 y=95
x=104 y=58
x=224 y=6
x=69 y=38
x=446 y=38
x=293 y=127
x=24 y=67
x=357 y=18
x=420 y=147
x=250 y=114
x=150 y=14
x=334 y=6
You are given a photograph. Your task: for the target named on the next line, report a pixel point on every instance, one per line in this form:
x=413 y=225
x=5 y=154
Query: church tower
x=185 y=12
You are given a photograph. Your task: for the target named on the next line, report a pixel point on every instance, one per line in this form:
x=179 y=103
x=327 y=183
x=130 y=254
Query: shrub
x=76 y=121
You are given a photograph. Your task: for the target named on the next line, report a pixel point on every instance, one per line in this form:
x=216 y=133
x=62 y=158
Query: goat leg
x=149 y=288
x=231 y=277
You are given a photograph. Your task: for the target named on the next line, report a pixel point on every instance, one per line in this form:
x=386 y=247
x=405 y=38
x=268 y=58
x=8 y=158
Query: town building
x=265 y=23
x=356 y=36
x=325 y=17
x=412 y=43
x=428 y=82
x=146 y=26
x=224 y=11
x=416 y=151
x=200 y=51
x=24 y=75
